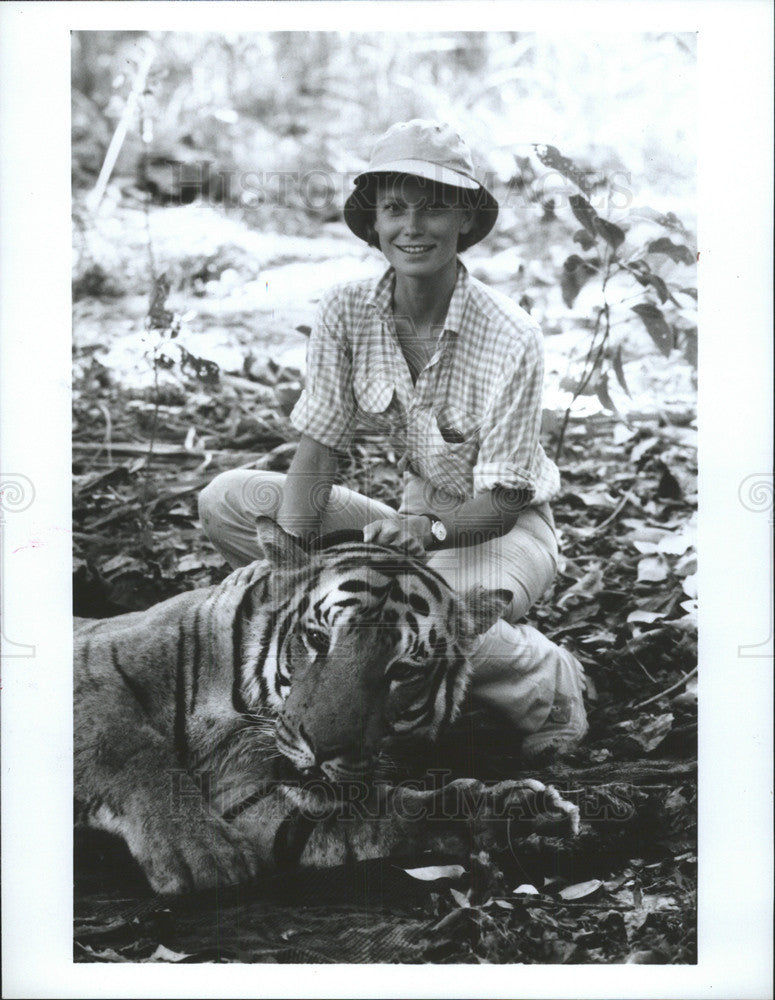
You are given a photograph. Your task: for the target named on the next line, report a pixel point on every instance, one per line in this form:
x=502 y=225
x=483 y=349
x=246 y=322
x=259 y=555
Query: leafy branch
x=601 y=256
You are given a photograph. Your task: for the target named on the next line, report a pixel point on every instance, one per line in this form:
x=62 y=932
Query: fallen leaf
x=434 y=872
x=688 y=697
x=194 y=561
x=646 y=548
x=526 y=890
x=652 y=569
x=640 y=449
x=623 y=433
x=163 y=954
x=460 y=898
x=122 y=562
x=689 y=585
x=647 y=731
x=676 y=543
x=644 y=617
x=581 y=890
x=601 y=499
x=686 y=565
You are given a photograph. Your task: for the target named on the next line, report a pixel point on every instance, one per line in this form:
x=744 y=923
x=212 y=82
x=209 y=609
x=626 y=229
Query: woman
x=452 y=372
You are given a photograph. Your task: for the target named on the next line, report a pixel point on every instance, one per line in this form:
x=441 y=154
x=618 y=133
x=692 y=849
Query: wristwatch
x=438 y=530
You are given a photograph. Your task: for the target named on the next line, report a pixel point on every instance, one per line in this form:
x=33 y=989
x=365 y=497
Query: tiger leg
x=142 y=794
x=230 y=504
x=296 y=827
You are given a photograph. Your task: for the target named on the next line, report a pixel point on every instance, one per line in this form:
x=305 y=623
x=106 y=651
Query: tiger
x=236 y=730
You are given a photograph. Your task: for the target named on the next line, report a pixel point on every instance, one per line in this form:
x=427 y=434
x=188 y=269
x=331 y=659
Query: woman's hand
x=410 y=532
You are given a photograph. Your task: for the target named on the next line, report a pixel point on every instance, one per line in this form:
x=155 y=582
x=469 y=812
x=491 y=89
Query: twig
x=108 y=430
x=589 y=371
x=667 y=691
x=627 y=497
x=161 y=449
x=95 y=197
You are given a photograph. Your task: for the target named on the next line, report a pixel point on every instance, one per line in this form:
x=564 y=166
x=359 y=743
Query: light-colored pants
x=515 y=668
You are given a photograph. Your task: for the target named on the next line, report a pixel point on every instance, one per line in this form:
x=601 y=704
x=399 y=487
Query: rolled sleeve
x=509 y=449
x=325 y=410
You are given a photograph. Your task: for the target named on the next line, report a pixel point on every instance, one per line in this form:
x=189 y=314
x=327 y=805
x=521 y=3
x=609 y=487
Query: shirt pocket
x=378 y=403
x=447 y=446
x=453 y=428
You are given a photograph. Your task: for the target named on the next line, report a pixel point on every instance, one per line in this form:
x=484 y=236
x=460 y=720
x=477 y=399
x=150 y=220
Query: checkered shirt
x=472 y=419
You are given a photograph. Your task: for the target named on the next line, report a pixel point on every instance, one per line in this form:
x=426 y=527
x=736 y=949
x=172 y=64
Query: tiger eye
x=318 y=640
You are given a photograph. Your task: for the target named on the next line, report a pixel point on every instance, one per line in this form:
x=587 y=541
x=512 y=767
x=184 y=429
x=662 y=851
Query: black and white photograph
x=384 y=621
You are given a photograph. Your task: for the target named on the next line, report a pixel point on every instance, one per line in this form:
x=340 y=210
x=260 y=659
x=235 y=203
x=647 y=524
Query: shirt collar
x=382 y=297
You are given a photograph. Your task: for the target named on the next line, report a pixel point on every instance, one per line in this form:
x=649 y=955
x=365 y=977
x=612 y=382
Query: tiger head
x=359 y=646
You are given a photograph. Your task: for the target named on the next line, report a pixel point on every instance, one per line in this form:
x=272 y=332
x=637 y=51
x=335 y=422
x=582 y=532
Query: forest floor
x=147 y=437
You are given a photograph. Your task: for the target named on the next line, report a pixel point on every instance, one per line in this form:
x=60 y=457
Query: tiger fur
x=236 y=729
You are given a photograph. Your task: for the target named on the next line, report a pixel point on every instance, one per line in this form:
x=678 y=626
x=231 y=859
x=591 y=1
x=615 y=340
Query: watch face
x=438 y=531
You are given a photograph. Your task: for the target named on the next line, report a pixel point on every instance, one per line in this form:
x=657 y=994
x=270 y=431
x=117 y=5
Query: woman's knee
x=240 y=493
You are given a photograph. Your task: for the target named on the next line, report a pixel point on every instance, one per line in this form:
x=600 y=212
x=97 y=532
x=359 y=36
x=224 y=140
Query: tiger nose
x=321 y=755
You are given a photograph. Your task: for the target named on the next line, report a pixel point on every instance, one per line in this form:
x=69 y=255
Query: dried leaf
x=581 y=890
x=686 y=565
x=644 y=617
x=652 y=569
x=598 y=499
x=676 y=543
x=669 y=488
x=646 y=548
x=622 y=433
x=642 y=447
x=526 y=890
x=122 y=563
x=433 y=872
x=193 y=561
x=163 y=954
x=460 y=898
x=689 y=585
x=648 y=732
x=688 y=697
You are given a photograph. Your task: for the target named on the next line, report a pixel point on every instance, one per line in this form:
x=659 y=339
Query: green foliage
x=624 y=251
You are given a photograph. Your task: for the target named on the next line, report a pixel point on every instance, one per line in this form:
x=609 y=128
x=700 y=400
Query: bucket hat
x=428 y=149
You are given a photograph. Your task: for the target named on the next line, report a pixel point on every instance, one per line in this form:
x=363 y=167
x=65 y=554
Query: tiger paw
x=467 y=815
x=200 y=854
x=529 y=806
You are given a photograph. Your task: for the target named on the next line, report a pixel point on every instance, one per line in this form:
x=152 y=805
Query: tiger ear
x=485 y=607
x=283 y=550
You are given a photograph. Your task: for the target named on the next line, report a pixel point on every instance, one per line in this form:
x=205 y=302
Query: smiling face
x=418 y=224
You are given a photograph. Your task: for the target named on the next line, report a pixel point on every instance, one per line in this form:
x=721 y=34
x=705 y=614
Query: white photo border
x=735 y=553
